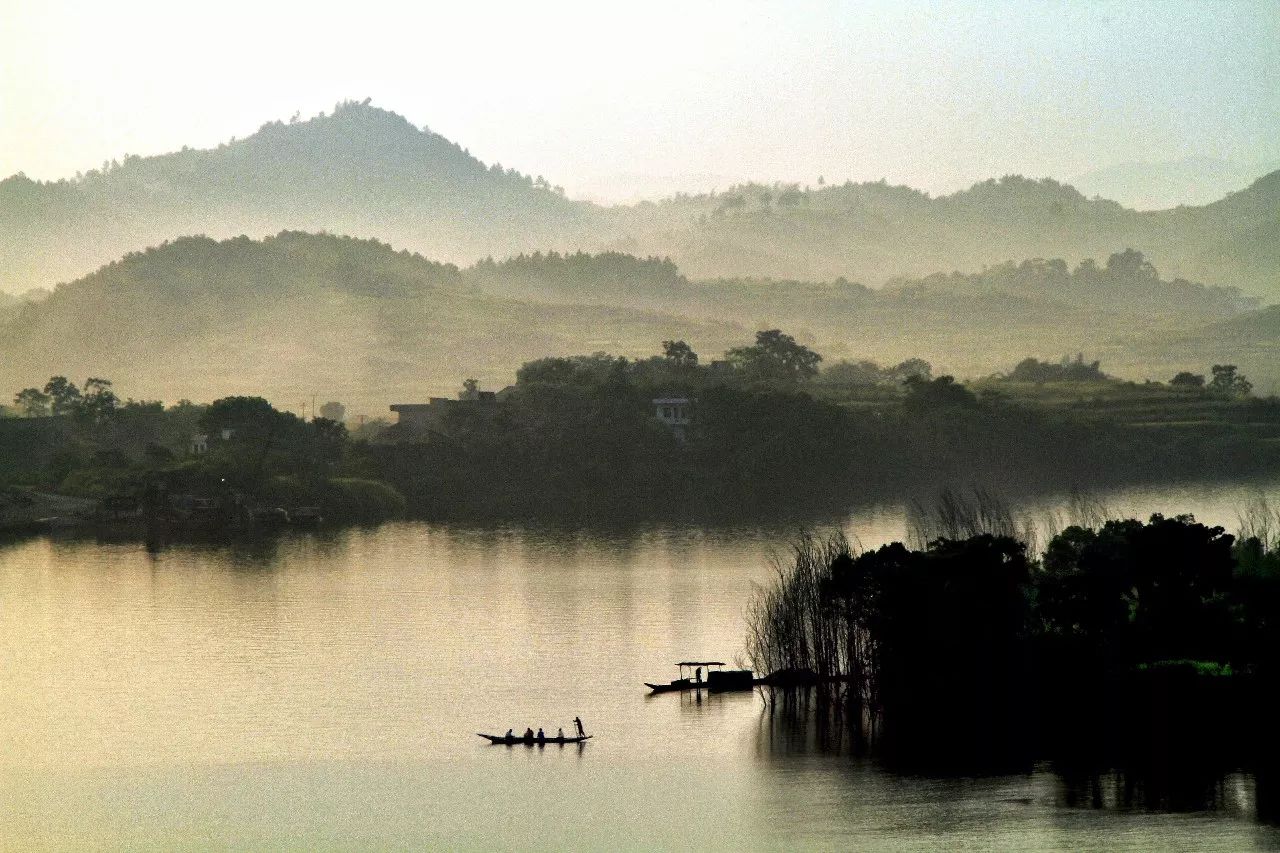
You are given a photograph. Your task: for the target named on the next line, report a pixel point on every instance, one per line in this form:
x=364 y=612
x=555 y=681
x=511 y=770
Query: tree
x=334 y=412
x=98 y=400
x=1131 y=264
x=775 y=358
x=943 y=392
x=470 y=389
x=1227 y=381
x=864 y=372
x=1186 y=379
x=247 y=418
x=33 y=402
x=679 y=353
x=63 y=395
x=1144 y=592
x=916 y=367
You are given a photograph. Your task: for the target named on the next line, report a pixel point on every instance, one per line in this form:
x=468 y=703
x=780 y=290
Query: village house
x=429 y=416
x=675 y=412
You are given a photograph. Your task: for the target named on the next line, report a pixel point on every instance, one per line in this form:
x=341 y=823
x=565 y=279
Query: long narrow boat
x=521 y=740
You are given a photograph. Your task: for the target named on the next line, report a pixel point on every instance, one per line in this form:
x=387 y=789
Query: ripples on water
x=314 y=692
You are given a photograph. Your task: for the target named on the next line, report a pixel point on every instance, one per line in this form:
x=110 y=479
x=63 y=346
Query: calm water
x=322 y=692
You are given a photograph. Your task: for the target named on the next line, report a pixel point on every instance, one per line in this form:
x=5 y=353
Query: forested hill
x=360 y=171
x=297 y=314
x=873 y=232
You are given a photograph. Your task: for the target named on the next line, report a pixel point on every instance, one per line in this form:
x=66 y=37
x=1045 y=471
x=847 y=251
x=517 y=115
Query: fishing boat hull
x=532 y=741
x=682 y=684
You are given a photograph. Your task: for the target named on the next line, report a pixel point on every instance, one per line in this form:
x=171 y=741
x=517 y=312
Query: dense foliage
x=976 y=635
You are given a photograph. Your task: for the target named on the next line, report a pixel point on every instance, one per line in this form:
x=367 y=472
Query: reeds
x=1258 y=519
x=963 y=515
x=791 y=626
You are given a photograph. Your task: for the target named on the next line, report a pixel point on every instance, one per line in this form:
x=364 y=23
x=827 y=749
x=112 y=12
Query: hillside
x=367 y=172
x=356 y=320
x=302 y=314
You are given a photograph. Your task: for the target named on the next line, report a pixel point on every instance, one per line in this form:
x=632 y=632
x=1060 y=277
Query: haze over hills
x=298 y=314
x=874 y=232
x=356 y=320
x=364 y=171
x=360 y=171
x=1164 y=185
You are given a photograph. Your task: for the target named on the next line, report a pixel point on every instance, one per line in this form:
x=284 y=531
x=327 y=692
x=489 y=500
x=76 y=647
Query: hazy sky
x=611 y=100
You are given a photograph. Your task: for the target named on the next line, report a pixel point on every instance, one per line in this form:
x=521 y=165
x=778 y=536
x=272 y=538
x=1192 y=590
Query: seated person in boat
x=528 y=734
x=509 y=734
x=541 y=736
x=560 y=734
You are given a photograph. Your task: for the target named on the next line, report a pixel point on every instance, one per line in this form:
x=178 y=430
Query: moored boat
x=717 y=680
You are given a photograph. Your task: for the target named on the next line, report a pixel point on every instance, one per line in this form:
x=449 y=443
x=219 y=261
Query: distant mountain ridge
x=367 y=172
x=361 y=171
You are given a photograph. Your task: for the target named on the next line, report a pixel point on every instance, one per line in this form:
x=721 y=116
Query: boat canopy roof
x=700 y=663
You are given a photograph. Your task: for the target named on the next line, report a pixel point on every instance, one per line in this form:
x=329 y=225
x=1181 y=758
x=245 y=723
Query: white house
x=675 y=412
x=672 y=411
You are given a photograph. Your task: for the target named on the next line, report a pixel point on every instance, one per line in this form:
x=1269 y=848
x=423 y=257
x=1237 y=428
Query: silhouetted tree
x=63 y=395
x=33 y=402
x=98 y=401
x=1227 y=381
x=679 y=353
x=941 y=393
x=776 y=358
x=334 y=411
x=1186 y=379
x=916 y=367
x=1140 y=592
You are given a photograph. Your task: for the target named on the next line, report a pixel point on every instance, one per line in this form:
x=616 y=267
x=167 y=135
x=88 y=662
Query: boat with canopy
x=717 y=679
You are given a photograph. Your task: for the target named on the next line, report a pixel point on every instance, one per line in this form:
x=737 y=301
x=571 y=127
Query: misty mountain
x=297 y=314
x=1164 y=185
x=360 y=171
x=874 y=232
x=367 y=172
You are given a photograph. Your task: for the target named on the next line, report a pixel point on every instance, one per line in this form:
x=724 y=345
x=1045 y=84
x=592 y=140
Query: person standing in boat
x=698 y=674
x=577 y=721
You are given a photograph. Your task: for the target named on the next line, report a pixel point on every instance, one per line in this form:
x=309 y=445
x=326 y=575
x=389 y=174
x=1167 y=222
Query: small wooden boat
x=521 y=740
x=679 y=684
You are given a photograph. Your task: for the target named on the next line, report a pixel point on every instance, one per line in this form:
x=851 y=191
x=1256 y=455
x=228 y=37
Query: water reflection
x=1178 y=782
x=284 y=691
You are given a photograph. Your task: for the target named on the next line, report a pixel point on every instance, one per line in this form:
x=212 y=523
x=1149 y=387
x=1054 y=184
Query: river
x=323 y=691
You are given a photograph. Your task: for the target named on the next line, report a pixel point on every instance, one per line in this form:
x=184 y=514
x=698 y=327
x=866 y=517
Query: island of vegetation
x=987 y=643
